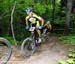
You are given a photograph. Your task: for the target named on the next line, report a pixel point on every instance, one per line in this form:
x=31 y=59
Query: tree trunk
x=68 y=12
x=12 y=23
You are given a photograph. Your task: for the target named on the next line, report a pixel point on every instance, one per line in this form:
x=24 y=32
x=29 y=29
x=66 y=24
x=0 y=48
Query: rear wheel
x=28 y=47
x=5 y=50
x=45 y=35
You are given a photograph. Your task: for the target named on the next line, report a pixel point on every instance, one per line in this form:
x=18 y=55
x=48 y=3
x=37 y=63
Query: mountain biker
x=34 y=21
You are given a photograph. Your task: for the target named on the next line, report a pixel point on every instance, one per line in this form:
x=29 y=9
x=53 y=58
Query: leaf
x=62 y=62
x=70 y=61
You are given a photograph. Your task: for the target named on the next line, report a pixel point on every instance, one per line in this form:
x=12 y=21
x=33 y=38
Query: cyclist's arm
x=26 y=21
x=42 y=20
x=39 y=18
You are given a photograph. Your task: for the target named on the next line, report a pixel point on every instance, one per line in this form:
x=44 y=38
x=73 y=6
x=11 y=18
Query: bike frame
x=33 y=35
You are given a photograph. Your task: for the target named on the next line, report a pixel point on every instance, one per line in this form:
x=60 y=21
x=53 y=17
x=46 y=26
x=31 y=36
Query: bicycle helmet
x=28 y=10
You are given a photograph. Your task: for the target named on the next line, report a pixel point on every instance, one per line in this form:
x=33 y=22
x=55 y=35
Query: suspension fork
x=33 y=37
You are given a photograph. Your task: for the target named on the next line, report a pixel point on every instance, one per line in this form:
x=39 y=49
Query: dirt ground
x=49 y=53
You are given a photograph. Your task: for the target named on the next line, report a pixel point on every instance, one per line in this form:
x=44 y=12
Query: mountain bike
x=5 y=50
x=30 y=45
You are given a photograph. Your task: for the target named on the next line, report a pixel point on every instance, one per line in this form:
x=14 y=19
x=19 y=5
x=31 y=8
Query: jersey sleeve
x=27 y=18
x=36 y=16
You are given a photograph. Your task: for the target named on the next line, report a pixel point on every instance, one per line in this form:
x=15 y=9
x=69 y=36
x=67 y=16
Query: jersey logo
x=33 y=20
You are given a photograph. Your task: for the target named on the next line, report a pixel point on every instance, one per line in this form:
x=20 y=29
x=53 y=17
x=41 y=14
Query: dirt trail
x=48 y=53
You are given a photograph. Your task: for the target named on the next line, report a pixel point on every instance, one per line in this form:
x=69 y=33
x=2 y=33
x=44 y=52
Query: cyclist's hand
x=27 y=27
x=40 y=27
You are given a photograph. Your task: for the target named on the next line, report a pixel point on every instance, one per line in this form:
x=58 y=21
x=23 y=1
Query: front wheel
x=5 y=50
x=28 y=47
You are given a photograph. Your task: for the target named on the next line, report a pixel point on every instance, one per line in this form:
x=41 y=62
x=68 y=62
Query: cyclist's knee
x=39 y=32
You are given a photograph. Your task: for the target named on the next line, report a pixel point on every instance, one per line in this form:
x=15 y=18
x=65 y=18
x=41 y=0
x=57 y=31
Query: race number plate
x=32 y=29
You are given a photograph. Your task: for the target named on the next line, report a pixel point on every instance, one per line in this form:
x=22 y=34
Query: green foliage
x=69 y=39
x=57 y=7
x=60 y=21
x=70 y=60
x=62 y=62
x=40 y=8
x=9 y=38
x=71 y=55
x=58 y=1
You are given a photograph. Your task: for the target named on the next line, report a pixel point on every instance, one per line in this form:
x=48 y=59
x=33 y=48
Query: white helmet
x=28 y=10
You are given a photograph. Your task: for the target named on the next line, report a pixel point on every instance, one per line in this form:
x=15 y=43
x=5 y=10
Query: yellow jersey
x=34 y=19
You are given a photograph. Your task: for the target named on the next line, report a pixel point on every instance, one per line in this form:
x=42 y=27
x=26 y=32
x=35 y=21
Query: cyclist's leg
x=39 y=32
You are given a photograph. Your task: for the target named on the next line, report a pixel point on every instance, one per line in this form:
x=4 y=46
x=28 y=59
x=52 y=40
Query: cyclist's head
x=29 y=11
